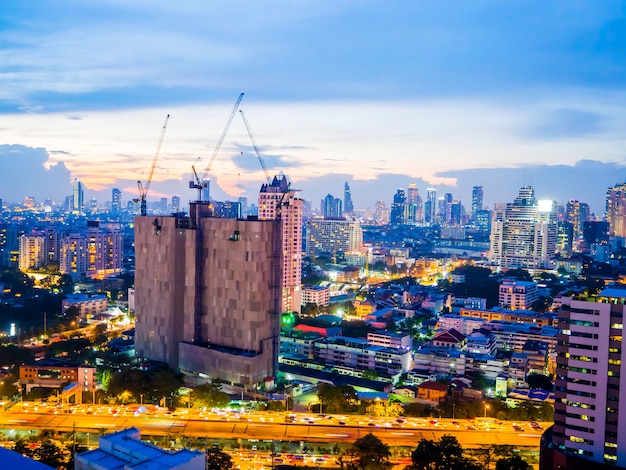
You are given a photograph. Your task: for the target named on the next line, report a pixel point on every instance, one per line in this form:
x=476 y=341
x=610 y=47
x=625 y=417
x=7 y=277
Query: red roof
x=431 y=385
x=450 y=336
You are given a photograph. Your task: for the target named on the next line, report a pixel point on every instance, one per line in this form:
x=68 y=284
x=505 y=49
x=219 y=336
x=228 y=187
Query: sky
x=446 y=94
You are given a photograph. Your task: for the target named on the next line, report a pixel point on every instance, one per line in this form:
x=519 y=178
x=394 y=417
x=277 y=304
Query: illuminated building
x=589 y=429
x=523 y=234
x=347 y=199
x=477 y=200
x=279 y=197
x=332 y=236
x=32 y=251
x=78 y=197
x=616 y=210
x=399 y=208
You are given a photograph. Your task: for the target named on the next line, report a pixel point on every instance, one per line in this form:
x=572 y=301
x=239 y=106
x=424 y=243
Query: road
x=271 y=426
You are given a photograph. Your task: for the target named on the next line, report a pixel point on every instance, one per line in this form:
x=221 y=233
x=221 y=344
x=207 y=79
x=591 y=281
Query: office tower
x=278 y=199
x=381 y=213
x=596 y=231
x=93 y=205
x=456 y=213
x=590 y=384
x=399 y=208
x=227 y=209
x=446 y=208
x=482 y=220
x=163 y=205
x=307 y=208
x=243 y=202
x=347 y=199
x=430 y=206
x=523 y=235
x=78 y=197
x=331 y=207
x=116 y=201
x=208 y=295
x=616 y=210
x=414 y=205
x=577 y=213
x=328 y=236
x=564 y=238
x=175 y=204
x=95 y=253
x=477 y=200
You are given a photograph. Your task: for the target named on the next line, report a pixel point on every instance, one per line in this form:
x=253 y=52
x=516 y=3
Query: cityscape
x=401 y=247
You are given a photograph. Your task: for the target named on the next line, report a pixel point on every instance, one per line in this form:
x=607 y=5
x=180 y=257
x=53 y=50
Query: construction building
x=208 y=294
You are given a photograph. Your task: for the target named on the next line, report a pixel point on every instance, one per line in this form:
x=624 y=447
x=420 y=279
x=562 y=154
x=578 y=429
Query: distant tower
x=381 y=213
x=430 y=206
x=414 y=205
x=206 y=192
x=331 y=207
x=175 y=204
x=347 y=199
x=616 y=210
x=277 y=199
x=116 y=201
x=398 y=208
x=477 y=200
x=78 y=197
x=577 y=213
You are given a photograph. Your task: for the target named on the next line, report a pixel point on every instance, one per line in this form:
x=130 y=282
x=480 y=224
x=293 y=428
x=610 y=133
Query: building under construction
x=208 y=294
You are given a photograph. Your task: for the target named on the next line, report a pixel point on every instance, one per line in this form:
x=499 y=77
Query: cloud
x=24 y=173
x=565 y=123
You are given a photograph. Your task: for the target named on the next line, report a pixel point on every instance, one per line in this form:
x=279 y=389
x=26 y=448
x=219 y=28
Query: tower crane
x=143 y=189
x=256 y=148
x=201 y=184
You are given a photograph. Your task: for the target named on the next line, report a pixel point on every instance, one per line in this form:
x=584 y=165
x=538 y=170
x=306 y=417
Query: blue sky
x=445 y=94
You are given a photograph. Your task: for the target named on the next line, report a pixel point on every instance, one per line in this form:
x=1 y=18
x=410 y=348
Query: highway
x=271 y=426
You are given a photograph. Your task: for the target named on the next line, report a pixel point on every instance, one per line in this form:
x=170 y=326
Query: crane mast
x=143 y=189
x=200 y=184
x=256 y=148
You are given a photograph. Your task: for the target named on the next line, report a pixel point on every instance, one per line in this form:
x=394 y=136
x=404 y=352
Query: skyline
x=446 y=96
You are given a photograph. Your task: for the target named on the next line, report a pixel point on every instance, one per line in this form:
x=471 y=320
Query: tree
x=445 y=454
x=218 y=460
x=539 y=381
x=336 y=399
x=209 y=395
x=54 y=453
x=371 y=453
x=513 y=463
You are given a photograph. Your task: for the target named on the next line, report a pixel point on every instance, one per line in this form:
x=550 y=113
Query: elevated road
x=263 y=427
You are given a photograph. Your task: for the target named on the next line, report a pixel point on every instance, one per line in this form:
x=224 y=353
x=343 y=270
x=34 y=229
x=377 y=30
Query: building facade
x=331 y=236
x=207 y=295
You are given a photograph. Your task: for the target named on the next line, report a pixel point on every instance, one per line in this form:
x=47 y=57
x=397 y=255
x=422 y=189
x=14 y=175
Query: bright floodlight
x=545 y=205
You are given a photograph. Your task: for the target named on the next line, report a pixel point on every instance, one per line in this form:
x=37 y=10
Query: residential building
x=319 y=295
x=589 y=429
x=432 y=391
x=616 y=210
x=208 y=298
x=517 y=295
x=332 y=236
x=125 y=450
x=32 y=251
x=577 y=213
x=279 y=200
x=389 y=339
x=88 y=305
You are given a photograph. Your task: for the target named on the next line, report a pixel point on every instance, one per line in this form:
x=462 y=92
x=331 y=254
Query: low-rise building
x=432 y=391
x=514 y=294
x=125 y=450
x=88 y=305
x=55 y=373
x=319 y=295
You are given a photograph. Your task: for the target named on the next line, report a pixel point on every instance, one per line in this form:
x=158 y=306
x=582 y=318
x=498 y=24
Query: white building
x=87 y=305
x=333 y=236
x=517 y=295
x=319 y=295
x=389 y=339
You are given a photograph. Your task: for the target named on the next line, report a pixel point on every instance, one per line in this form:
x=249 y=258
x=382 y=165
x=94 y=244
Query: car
x=342 y=423
x=517 y=428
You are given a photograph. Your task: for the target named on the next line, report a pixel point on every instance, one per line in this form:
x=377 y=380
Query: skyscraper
x=577 y=213
x=590 y=384
x=116 y=201
x=381 y=213
x=414 y=205
x=78 y=197
x=347 y=199
x=175 y=204
x=279 y=200
x=208 y=295
x=398 y=214
x=616 y=210
x=523 y=235
x=331 y=207
x=430 y=206
x=477 y=200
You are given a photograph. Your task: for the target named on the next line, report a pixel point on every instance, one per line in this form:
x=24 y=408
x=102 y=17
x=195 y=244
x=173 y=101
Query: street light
x=486 y=408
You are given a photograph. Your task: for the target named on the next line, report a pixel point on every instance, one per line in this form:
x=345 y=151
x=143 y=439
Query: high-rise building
x=477 y=200
x=381 y=213
x=175 y=204
x=589 y=429
x=399 y=207
x=331 y=207
x=207 y=294
x=116 y=201
x=78 y=197
x=347 y=199
x=278 y=199
x=523 y=235
x=430 y=206
x=32 y=251
x=332 y=236
x=415 y=213
x=564 y=238
x=95 y=253
x=577 y=213
x=616 y=210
